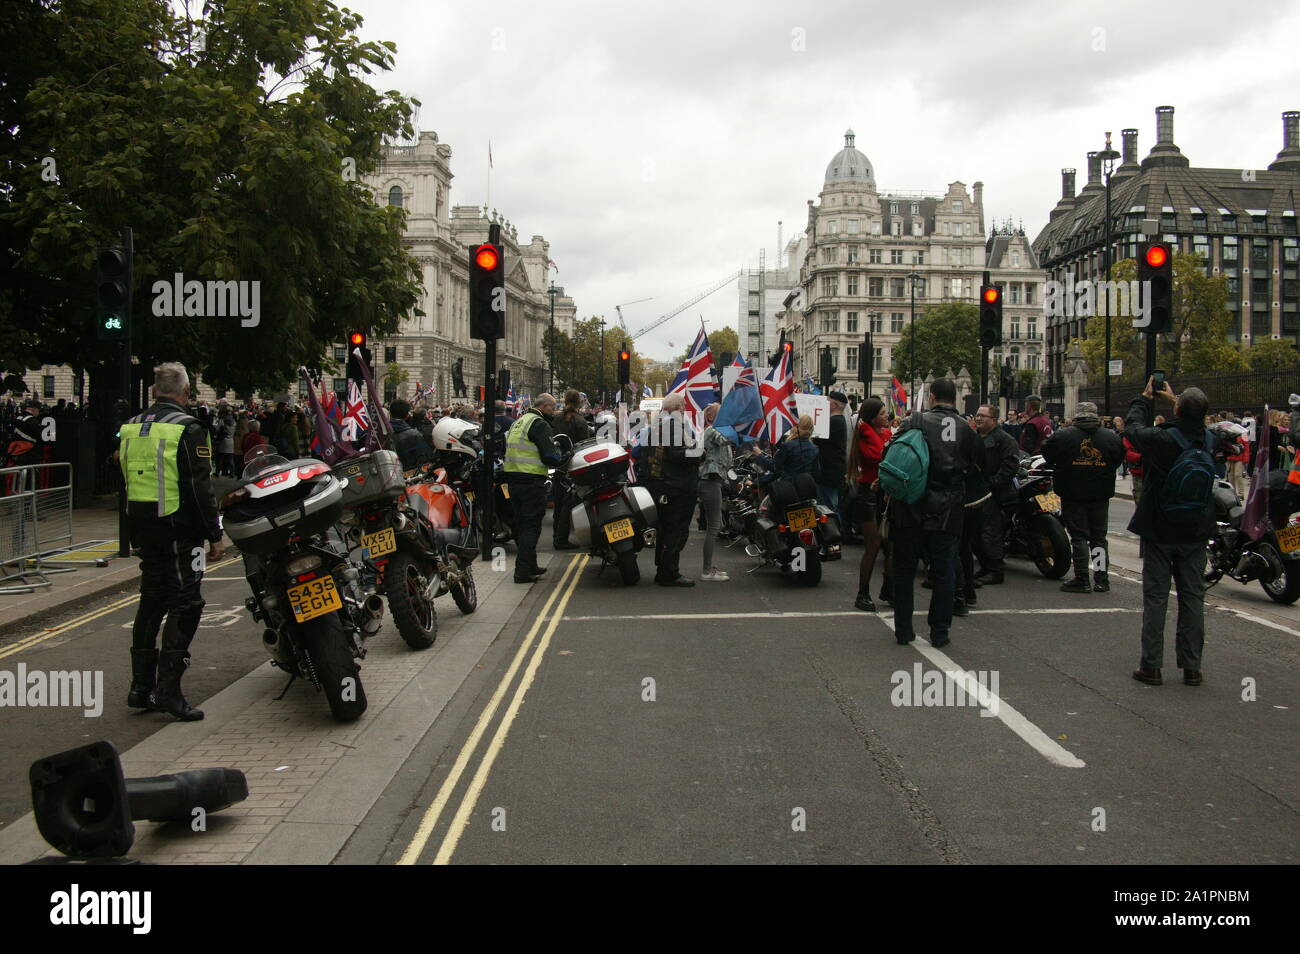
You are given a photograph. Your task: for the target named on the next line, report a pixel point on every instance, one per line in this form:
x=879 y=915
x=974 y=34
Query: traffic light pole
x=984 y=375
x=487 y=496
x=124 y=386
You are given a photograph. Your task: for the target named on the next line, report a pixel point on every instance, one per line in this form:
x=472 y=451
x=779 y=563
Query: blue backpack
x=905 y=469
x=1189 y=485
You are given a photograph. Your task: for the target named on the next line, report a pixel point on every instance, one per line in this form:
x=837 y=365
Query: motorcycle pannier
x=596 y=463
x=264 y=524
x=371 y=477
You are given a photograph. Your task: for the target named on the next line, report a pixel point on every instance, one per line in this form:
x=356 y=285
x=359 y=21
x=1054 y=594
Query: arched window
x=395 y=196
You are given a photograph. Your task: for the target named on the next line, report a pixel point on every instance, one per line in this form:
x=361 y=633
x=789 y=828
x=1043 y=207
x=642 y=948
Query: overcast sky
x=657 y=145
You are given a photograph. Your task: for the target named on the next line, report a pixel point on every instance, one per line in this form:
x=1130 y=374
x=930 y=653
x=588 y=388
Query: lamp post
x=551 y=357
x=912 y=279
x=1108 y=157
x=602 y=361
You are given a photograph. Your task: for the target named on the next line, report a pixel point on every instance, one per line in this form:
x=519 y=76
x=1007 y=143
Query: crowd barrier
x=35 y=525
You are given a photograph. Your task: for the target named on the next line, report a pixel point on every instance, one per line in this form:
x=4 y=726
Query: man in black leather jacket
x=933 y=524
x=1001 y=464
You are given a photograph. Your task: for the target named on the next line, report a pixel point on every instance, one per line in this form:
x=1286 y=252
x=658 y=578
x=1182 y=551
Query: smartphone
x=1157 y=382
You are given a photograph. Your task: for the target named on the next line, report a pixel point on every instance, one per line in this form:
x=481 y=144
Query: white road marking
x=1256 y=619
x=988 y=612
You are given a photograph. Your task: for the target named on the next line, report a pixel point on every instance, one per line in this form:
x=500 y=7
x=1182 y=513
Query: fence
x=35 y=525
x=1227 y=392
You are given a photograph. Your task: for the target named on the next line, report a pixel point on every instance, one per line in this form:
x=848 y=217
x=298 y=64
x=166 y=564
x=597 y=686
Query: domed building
x=859 y=249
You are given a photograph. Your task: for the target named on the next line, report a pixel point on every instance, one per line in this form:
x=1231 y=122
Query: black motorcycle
x=1033 y=521
x=1273 y=559
x=306 y=592
x=785 y=525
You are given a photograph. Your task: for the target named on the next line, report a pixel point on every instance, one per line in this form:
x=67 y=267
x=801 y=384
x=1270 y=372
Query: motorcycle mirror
x=732 y=475
x=1294 y=400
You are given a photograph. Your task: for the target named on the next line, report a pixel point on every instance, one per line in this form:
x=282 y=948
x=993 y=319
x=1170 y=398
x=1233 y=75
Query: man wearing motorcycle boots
x=933 y=524
x=672 y=475
x=1173 y=547
x=1001 y=464
x=1084 y=458
x=1037 y=427
x=833 y=454
x=166 y=460
x=571 y=423
x=530 y=450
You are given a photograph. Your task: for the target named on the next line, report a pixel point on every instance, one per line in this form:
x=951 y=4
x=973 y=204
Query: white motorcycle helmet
x=459 y=437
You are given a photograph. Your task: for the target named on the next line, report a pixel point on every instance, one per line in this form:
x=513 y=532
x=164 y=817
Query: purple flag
x=381 y=434
x=329 y=446
x=1255 y=520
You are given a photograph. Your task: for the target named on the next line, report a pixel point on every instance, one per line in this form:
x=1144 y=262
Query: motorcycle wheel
x=326 y=647
x=414 y=614
x=811 y=574
x=465 y=593
x=1286 y=588
x=1051 y=546
x=628 y=571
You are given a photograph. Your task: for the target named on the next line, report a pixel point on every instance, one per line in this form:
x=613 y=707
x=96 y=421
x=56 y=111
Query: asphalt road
x=753 y=721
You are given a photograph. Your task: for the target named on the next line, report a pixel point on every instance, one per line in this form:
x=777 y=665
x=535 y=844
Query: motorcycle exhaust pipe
x=374 y=608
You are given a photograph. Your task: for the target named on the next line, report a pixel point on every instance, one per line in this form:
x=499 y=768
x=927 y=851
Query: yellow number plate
x=314 y=598
x=1049 y=502
x=379 y=543
x=1288 y=539
x=805 y=518
x=505 y=491
x=619 y=530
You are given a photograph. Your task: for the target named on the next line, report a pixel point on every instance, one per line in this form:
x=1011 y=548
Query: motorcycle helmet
x=457 y=436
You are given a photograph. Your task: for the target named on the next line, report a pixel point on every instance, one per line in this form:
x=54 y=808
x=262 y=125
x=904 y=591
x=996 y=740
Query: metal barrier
x=35 y=522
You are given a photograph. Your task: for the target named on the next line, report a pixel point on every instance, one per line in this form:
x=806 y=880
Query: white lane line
x=1037 y=739
x=806 y=615
x=1255 y=619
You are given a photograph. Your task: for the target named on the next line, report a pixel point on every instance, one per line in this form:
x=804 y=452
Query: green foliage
x=1270 y=355
x=723 y=341
x=233 y=145
x=586 y=372
x=947 y=339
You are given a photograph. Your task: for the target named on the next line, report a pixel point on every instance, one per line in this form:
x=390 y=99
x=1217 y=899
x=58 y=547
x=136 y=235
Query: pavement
x=752 y=721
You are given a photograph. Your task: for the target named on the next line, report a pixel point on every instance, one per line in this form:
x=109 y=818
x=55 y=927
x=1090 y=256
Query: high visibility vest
x=522 y=456
x=149 y=457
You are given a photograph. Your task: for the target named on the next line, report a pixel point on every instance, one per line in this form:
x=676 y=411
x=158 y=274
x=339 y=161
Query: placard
x=818 y=407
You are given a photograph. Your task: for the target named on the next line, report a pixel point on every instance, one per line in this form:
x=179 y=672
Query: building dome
x=849 y=165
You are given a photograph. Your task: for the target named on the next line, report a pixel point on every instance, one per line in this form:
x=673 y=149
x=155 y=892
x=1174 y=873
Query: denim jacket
x=717 y=454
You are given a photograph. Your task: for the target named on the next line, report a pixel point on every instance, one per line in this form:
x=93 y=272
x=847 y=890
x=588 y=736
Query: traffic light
x=113 y=294
x=990 y=316
x=487 y=292
x=624 y=367
x=1007 y=381
x=866 y=360
x=503 y=384
x=357 y=339
x=827 y=369
x=1156 y=265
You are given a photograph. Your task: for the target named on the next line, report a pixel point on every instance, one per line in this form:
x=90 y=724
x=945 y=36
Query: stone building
x=1243 y=221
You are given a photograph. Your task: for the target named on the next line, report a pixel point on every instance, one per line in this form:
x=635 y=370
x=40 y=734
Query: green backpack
x=906 y=465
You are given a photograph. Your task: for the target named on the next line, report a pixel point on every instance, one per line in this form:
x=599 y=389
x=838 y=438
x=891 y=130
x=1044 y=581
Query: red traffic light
x=486 y=258
x=992 y=294
x=357 y=339
x=624 y=355
x=1157 y=255
x=787 y=346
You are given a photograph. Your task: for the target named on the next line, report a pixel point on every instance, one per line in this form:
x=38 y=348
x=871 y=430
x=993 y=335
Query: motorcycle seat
x=1235 y=515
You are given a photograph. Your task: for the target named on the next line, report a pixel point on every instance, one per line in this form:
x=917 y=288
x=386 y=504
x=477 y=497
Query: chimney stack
x=1165 y=153
x=1067 y=184
x=1093 y=185
x=1288 y=160
x=1130 y=148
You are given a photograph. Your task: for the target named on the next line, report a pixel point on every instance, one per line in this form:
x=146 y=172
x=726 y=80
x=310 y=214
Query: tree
x=234 y=146
x=723 y=341
x=1268 y=354
x=1198 y=343
x=659 y=379
x=587 y=376
x=947 y=339
x=556 y=342
x=395 y=376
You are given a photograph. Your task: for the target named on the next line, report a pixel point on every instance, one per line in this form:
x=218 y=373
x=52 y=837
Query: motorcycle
x=1273 y=559
x=1033 y=521
x=307 y=593
x=611 y=520
x=786 y=527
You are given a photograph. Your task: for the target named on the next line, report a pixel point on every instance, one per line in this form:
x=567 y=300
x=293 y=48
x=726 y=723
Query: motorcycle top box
x=594 y=463
x=287 y=498
x=371 y=477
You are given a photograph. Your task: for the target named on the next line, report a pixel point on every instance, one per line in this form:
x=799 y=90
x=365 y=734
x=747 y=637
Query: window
x=1259 y=289
x=852 y=256
x=895 y=256
x=832 y=227
x=897 y=288
x=875 y=287
x=830 y=285
x=956 y=205
x=897 y=227
x=1229 y=222
x=851 y=322
x=918 y=258
x=340 y=353
x=877 y=359
x=1029 y=293
x=893 y=208
x=877 y=322
x=830 y=321
x=873 y=256
x=1230 y=248
x=1015 y=293
x=1290 y=250
x=875 y=228
x=390 y=353
x=1259 y=253
x=851 y=358
x=1234 y=290
x=853 y=227
x=395 y=196
x=341 y=390
x=851 y=284
x=1033 y=327
x=917 y=231
x=896 y=322
x=1015 y=327
x=1015 y=258
x=955 y=288
x=47 y=385
x=915 y=208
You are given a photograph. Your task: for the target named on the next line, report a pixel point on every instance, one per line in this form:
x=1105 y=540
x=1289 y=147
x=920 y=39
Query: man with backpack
x=924 y=472
x=1174 y=518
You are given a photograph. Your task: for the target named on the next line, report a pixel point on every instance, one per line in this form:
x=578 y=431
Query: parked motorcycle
x=1033 y=522
x=1273 y=559
x=307 y=593
x=785 y=525
x=611 y=520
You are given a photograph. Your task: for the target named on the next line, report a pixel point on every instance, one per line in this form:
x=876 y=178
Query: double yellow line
x=549 y=617
x=35 y=640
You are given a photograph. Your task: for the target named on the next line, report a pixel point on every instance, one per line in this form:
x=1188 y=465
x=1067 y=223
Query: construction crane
x=619 y=309
x=698 y=298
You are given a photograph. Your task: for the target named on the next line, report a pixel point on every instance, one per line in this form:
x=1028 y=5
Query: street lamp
x=602 y=361
x=551 y=291
x=1108 y=157
x=912 y=279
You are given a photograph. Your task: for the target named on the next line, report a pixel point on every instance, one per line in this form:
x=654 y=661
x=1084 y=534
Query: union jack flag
x=679 y=382
x=700 y=390
x=356 y=419
x=777 y=394
x=746 y=377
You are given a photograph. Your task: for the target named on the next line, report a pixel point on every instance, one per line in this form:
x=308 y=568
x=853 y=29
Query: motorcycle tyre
x=628 y=571
x=1047 y=525
x=811 y=574
x=1289 y=590
x=465 y=593
x=401 y=604
x=326 y=645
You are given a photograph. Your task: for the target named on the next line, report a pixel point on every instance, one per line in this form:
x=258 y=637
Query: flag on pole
x=1255 y=520
x=646 y=392
x=777 y=395
x=746 y=375
x=356 y=419
x=899 y=394
x=700 y=389
x=489 y=153
x=679 y=382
